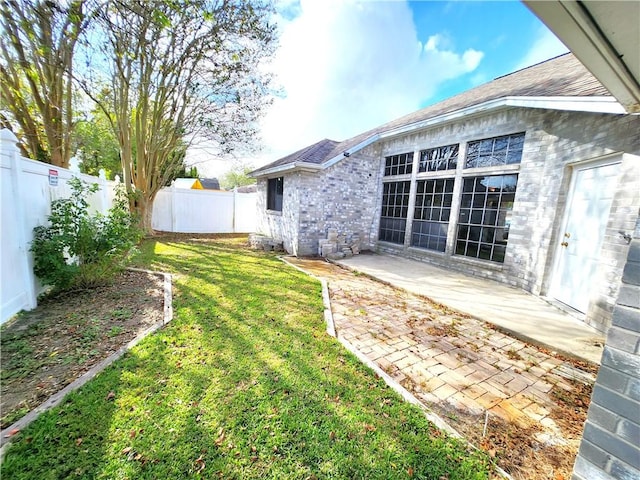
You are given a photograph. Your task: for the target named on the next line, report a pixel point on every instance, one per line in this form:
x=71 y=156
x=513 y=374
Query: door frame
x=574 y=167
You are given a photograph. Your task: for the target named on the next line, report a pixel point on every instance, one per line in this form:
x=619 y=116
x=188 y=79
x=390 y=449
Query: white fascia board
x=287 y=168
x=572 y=104
x=575 y=104
x=572 y=25
x=354 y=149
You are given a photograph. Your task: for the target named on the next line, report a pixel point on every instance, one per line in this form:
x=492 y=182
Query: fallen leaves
x=220 y=439
x=200 y=464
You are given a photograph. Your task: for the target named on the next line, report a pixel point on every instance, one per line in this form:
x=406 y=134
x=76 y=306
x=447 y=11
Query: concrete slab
x=521 y=314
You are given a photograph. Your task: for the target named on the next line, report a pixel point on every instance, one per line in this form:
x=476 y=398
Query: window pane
x=495 y=151
x=395 y=201
x=483 y=229
x=275 y=189
x=398 y=164
x=431 y=221
x=439 y=158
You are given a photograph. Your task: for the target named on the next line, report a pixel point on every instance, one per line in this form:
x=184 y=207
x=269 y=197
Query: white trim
x=300 y=166
x=365 y=143
x=603 y=104
x=574 y=27
x=574 y=104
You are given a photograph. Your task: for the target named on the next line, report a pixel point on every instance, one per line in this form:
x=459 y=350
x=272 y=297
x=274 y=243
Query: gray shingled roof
x=562 y=76
x=210 y=183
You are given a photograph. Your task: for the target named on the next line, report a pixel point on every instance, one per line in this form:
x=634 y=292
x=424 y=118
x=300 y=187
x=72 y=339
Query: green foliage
x=243 y=383
x=95 y=141
x=79 y=249
x=237 y=176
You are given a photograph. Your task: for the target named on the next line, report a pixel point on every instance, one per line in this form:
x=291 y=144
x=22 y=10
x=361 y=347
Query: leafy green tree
x=38 y=43
x=98 y=147
x=237 y=176
x=178 y=70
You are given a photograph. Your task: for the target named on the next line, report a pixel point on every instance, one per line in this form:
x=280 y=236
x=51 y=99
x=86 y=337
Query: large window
x=485 y=216
x=398 y=164
x=495 y=151
x=395 y=204
x=275 y=188
x=440 y=158
x=431 y=214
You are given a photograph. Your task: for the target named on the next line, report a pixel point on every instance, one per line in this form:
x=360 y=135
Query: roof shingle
x=562 y=76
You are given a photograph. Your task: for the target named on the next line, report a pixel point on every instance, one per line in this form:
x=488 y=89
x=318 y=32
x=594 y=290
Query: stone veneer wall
x=553 y=141
x=610 y=447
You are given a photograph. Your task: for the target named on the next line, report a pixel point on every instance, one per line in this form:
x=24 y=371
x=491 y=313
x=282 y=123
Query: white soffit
x=604 y=36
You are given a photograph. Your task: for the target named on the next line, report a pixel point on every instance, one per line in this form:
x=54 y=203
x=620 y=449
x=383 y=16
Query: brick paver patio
x=444 y=357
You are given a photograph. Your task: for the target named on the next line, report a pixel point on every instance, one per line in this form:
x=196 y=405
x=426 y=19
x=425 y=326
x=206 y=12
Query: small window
x=496 y=151
x=398 y=164
x=439 y=158
x=275 y=187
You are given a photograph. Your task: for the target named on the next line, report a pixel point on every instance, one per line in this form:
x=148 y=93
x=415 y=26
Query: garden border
x=7 y=435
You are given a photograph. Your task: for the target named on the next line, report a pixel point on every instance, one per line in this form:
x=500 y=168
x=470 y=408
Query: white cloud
x=545 y=46
x=347 y=66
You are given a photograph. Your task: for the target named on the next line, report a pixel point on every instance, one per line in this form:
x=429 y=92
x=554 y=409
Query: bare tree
x=179 y=70
x=36 y=68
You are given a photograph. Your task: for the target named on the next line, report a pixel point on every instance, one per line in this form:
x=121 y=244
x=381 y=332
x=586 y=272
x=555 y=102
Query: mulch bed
x=47 y=348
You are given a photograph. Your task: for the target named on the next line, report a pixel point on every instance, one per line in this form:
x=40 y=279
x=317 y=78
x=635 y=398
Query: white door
x=588 y=207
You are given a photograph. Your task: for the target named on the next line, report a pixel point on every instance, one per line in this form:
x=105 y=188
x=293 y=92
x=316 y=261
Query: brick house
x=532 y=180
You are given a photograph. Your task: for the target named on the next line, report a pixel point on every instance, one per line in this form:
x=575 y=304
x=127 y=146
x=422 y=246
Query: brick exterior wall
x=347 y=197
x=554 y=141
x=610 y=447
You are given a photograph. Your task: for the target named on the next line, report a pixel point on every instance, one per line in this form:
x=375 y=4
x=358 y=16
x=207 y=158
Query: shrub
x=79 y=249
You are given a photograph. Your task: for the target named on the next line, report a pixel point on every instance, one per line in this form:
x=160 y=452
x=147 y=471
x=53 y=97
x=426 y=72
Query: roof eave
x=577 y=104
x=286 y=168
x=594 y=104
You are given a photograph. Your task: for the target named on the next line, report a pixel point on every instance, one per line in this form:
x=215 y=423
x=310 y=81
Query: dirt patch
x=47 y=348
x=521 y=447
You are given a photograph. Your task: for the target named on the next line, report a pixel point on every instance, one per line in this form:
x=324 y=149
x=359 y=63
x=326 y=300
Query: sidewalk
x=515 y=311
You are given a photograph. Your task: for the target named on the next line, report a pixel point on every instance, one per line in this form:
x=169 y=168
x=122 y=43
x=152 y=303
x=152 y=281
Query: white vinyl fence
x=203 y=211
x=27 y=188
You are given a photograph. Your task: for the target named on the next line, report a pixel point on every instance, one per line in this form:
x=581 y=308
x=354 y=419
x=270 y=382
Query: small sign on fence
x=53 y=177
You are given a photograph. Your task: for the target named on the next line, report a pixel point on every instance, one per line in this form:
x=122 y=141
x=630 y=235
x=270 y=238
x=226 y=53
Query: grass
x=244 y=383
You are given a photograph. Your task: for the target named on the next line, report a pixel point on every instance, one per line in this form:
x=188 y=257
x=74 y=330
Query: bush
x=81 y=250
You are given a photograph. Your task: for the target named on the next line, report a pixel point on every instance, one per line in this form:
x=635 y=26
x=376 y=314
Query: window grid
x=496 y=151
x=398 y=164
x=484 y=218
x=431 y=214
x=439 y=158
x=395 y=205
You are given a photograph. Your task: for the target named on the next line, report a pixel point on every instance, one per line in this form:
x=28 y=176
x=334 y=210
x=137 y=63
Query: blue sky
x=346 y=66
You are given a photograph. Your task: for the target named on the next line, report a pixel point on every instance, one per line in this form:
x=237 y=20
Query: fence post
x=233 y=213
x=104 y=194
x=8 y=143
x=173 y=206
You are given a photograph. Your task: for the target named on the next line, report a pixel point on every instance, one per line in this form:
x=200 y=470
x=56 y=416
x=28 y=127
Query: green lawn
x=244 y=383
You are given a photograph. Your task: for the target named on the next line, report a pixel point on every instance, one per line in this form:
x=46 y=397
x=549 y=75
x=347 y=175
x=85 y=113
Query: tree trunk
x=144 y=209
